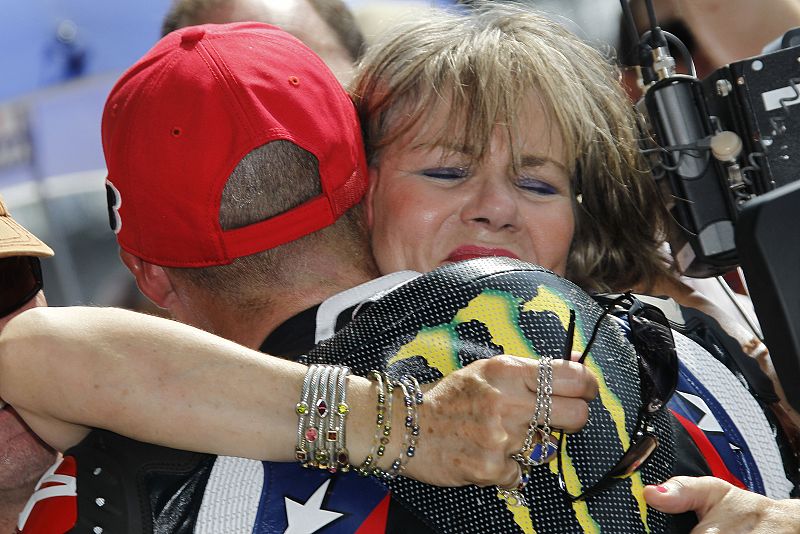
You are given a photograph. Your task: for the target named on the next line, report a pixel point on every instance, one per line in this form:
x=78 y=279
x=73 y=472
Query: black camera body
x=711 y=177
x=758 y=107
x=727 y=150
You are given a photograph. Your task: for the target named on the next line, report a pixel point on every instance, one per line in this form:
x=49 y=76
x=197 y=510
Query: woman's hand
x=722 y=507
x=475 y=418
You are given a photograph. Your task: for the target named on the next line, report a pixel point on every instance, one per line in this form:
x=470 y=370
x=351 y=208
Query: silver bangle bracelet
x=341 y=457
x=303 y=410
x=321 y=418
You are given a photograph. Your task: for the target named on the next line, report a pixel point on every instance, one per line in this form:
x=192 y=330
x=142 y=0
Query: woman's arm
x=67 y=370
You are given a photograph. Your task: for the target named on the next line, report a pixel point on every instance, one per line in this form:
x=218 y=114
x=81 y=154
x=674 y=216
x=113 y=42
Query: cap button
x=192 y=35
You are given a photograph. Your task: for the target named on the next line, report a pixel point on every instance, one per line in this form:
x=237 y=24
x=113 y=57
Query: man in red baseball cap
x=235 y=164
x=223 y=143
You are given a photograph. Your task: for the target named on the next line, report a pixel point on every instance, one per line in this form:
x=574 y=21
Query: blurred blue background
x=59 y=59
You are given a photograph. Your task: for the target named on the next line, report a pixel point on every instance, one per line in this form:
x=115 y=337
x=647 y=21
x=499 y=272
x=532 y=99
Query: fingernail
x=661 y=489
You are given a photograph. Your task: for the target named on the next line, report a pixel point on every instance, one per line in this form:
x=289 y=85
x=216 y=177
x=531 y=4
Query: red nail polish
x=661 y=489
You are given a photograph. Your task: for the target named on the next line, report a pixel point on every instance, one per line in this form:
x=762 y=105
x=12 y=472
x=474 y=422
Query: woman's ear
x=373 y=183
x=151 y=279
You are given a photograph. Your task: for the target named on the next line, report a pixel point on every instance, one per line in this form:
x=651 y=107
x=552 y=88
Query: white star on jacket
x=309 y=517
x=707 y=422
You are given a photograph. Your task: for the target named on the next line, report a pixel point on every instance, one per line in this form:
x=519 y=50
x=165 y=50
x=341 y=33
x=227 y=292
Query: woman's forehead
x=528 y=128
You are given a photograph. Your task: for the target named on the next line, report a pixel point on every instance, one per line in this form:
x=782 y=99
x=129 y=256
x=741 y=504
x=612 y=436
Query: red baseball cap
x=178 y=121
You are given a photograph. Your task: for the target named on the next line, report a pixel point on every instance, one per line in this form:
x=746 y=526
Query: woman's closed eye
x=446 y=173
x=535 y=185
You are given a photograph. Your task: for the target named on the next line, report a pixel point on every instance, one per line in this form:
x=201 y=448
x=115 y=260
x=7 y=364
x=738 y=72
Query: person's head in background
x=326 y=26
x=716 y=34
x=236 y=218
x=20 y=271
x=501 y=133
x=23 y=457
x=670 y=20
x=376 y=17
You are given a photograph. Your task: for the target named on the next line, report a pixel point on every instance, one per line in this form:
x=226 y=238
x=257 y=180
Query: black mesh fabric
x=456 y=314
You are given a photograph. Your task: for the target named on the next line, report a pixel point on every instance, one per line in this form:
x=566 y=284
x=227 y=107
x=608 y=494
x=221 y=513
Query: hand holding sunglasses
x=652 y=339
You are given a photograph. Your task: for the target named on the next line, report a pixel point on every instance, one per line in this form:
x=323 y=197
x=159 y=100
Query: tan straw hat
x=16 y=240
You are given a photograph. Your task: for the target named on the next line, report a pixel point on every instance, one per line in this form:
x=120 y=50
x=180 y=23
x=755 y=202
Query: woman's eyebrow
x=531 y=160
x=444 y=146
x=527 y=160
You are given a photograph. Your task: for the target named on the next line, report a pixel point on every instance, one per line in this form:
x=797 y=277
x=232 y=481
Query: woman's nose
x=492 y=203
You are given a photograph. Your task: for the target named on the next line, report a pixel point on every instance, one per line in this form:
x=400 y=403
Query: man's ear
x=373 y=181
x=152 y=280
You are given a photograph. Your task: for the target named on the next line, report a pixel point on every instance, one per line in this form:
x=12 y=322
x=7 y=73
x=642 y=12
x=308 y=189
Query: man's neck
x=251 y=327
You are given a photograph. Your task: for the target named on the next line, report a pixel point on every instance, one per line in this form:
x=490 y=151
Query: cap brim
x=17 y=241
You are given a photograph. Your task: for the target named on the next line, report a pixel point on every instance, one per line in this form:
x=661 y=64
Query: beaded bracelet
x=383 y=427
x=412 y=397
x=386 y=433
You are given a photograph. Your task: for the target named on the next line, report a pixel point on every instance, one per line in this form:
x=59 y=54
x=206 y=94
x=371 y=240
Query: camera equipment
x=718 y=142
x=767 y=229
x=726 y=149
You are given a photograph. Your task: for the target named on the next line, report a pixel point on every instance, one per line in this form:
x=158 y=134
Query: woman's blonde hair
x=483 y=65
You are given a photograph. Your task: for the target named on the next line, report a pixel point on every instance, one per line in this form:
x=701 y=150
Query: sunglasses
x=651 y=336
x=20 y=280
